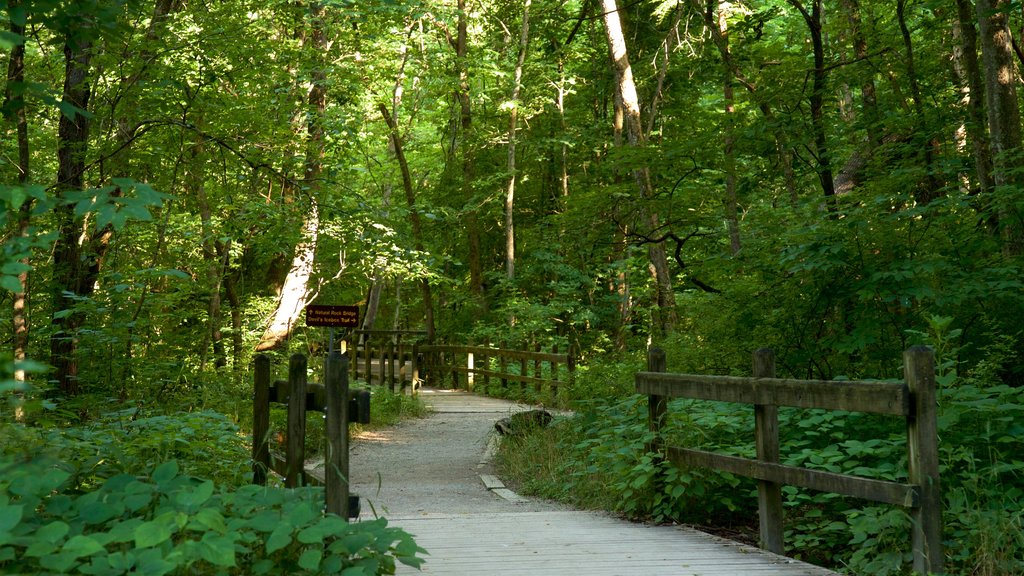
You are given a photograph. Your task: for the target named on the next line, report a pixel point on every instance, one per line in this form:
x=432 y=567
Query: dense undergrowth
x=131 y=492
x=598 y=458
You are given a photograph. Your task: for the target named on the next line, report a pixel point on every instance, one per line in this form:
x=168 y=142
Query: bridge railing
x=468 y=366
x=914 y=400
x=384 y=357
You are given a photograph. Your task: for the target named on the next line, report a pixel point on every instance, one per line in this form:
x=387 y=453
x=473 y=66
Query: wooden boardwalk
x=582 y=543
x=469 y=525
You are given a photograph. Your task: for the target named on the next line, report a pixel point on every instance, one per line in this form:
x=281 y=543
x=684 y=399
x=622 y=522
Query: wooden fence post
x=296 y=456
x=923 y=460
x=766 y=430
x=470 y=374
x=337 y=471
x=503 y=366
x=261 y=420
x=656 y=405
x=390 y=365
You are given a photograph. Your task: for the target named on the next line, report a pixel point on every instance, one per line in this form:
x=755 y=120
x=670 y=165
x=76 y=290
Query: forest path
x=433 y=477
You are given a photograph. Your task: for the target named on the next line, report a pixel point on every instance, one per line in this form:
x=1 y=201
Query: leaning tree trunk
x=295 y=291
x=630 y=106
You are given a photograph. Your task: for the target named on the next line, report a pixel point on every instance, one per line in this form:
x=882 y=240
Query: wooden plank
x=261 y=420
x=923 y=461
x=296 y=440
x=337 y=469
x=856 y=396
x=491 y=482
x=866 y=488
x=564 y=543
x=509 y=354
x=766 y=430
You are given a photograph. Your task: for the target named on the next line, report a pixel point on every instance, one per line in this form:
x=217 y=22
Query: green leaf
x=151 y=534
x=81 y=545
x=11 y=284
x=279 y=538
x=197 y=496
x=10 y=516
x=218 y=550
x=53 y=532
x=165 y=472
x=310 y=559
x=211 y=519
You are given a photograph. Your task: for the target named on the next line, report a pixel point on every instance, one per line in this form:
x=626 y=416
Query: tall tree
x=1003 y=116
x=510 y=188
x=626 y=95
x=14 y=110
x=294 y=292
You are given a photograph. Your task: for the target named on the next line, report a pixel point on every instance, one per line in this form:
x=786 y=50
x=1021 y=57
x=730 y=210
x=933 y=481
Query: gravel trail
x=435 y=464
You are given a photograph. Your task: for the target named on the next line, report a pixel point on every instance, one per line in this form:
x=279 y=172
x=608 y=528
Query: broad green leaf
x=197 y=496
x=310 y=559
x=81 y=545
x=151 y=534
x=53 y=532
x=10 y=516
x=62 y=562
x=218 y=550
x=165 y=472
x=210 y=519
x=279 y=538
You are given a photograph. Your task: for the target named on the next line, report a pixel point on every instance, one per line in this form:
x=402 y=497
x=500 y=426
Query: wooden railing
x=390 y=351
x=480 y=364
x=340 y=407
x=914 y=400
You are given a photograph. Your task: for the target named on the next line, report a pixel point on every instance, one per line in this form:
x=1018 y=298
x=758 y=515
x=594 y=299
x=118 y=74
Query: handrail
x=443 y=360
x=913 y=399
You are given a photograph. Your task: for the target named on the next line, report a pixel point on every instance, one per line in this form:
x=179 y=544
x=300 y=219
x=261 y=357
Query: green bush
x=170 y=523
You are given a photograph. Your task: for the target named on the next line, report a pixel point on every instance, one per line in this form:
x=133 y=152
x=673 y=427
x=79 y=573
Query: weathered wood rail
x=914 y=400
x=391 y=352
x=531 y=367
x=340 y=406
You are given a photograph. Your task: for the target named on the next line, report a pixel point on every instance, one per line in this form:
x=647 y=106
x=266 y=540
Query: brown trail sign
x=332 y=316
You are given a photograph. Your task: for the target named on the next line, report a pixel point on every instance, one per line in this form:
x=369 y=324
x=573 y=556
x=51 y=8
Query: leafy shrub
x=171 y=523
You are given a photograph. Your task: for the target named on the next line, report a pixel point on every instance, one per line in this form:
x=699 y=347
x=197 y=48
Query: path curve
x=433 y=477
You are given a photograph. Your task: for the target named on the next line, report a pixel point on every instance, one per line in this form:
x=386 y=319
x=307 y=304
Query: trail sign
x=332 y=316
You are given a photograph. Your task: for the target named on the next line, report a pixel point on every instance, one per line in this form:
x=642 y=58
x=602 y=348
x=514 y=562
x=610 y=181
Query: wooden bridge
x=471 y=525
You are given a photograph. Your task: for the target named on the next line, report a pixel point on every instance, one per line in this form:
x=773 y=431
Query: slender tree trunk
x=462 y=96
x=729 y=138
x=817 y=97
x=1003 y=115
x=626 y=92
x=75 y=266
x=510 y=189
x=14 y=103
x=931 y=184
x=869 y=101
x=295 y=290
x=965 y=59
x=414 y=216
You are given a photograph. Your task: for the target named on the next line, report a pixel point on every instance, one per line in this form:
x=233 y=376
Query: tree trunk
x=630 y=107
x=965 y=60
x=817 y=97
x=510 y=190
x=1003 y=115
x=930 y=189
x=14 y=105
x=75 y=262
x=414 y=216
x=295 y=290
x=729 y=139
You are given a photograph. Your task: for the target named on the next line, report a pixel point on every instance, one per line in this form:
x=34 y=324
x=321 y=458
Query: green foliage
x=167 y=522
x=601 y=458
